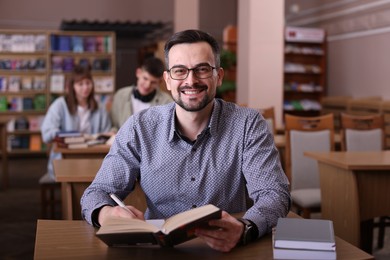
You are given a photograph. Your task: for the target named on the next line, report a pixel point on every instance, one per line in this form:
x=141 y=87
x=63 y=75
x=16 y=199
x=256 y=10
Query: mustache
x=193 y=87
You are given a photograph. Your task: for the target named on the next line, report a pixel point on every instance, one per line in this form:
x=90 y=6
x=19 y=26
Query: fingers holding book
x=224 y=235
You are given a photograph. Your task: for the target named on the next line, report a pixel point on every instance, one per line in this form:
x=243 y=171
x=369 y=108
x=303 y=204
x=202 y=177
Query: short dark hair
x=154 y=66
x=192 y=36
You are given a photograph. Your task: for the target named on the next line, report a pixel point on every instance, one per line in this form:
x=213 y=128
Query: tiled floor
x=20 y=208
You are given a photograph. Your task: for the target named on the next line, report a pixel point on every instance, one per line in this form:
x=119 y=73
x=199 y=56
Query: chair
x=50 y=194
x=362 y=132
x=269 y=115
x=306 y=134
x=365 y=133
x=50 y=197
x=335 y=105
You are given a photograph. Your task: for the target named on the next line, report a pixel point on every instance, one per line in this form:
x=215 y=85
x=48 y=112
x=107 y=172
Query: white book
x=280 y=253
x=57 y=83
x=307 y=234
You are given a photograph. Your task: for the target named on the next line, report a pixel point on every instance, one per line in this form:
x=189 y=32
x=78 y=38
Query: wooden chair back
x=305 y=124
x=269 y=115
x=363 y=124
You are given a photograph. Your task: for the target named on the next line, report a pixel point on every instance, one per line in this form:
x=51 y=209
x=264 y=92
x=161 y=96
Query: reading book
x=174 y=230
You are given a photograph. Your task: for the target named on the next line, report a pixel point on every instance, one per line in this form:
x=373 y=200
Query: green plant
x=228 y=59
x=228 y=62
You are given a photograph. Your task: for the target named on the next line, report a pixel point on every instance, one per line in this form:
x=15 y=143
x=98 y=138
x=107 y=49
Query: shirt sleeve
x=117 y=174
x=267 y=183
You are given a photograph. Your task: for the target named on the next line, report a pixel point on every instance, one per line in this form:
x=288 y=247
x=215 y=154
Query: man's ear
x=167 y=80
x=221 y=73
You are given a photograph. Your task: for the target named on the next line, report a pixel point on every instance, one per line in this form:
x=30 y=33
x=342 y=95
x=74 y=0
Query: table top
x=82 y=170
x=370 y=160
x=76 y=239
x=95 y=149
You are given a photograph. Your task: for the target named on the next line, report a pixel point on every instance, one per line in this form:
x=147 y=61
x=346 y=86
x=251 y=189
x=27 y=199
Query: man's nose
x=191 y=78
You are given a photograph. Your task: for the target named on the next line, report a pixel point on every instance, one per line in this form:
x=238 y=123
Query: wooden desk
x=4 y=152
x=75 y=175
x=96 y=151
x=76 y=240
x=354 y=189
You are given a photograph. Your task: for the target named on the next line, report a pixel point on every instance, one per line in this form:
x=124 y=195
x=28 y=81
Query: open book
x=174 y=230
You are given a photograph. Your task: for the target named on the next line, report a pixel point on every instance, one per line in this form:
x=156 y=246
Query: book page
x=124 y=225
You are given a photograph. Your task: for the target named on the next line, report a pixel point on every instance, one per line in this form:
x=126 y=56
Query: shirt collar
x=213 y=122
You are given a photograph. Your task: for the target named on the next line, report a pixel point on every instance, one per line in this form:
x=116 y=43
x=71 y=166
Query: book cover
x=35 y=143
x=310 y=234
x=28 y=103
x=57 y=83
x=175 y=230
x=69 y=134
x=70 y=139
x=77 y=43
x=280 y=253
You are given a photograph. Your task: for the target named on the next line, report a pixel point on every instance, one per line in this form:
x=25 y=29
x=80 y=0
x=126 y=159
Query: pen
x=120 y=203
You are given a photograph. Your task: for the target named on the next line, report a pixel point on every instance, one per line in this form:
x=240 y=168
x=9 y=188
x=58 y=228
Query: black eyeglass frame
x=194 y=70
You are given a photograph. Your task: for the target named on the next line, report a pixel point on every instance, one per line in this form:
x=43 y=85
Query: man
x=130 y=100
x=195 y=151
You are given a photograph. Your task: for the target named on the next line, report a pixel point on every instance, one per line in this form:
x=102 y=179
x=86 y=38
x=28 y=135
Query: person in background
x=198 y=150
x=77 y=110
x=132 y=99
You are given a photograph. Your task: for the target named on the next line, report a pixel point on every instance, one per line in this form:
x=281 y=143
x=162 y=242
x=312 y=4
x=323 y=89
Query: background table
x=76 y=240
x=354 y=190
x=75 y=175
x=95 y=151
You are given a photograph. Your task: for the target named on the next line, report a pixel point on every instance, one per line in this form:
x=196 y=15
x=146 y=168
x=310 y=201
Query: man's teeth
x=191 y=92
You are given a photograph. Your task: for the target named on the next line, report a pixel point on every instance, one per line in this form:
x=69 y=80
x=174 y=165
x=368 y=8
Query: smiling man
x=199 y=150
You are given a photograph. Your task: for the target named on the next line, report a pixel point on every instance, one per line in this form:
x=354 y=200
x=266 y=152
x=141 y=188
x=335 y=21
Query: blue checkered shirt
x=235 y=150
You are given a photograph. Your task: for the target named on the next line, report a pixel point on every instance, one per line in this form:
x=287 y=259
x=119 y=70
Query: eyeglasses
x=200 y=72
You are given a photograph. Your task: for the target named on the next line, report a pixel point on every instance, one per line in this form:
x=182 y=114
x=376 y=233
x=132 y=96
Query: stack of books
x=77 y=140
x=71 y=140
x=296 y=238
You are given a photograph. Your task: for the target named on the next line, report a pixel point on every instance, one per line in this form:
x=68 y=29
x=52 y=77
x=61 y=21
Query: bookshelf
x=304 y=71
x=34 y=66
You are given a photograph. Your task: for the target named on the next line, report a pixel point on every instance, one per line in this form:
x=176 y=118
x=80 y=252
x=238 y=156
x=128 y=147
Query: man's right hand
x=117 y=211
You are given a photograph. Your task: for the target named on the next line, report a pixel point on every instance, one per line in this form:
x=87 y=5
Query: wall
x=47 y=14
x=358 y=43
x=260 y=55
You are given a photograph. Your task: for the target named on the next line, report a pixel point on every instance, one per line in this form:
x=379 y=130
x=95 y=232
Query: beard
x=196 y=106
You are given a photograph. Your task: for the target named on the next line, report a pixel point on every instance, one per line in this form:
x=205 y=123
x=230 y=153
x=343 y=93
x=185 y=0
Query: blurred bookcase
x=34 y=67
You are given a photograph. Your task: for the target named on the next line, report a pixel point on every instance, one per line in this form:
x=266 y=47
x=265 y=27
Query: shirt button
x=192 y=179
x=193 y=206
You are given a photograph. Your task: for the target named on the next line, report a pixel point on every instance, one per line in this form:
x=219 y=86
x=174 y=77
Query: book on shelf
x=296 y=238
x=57 y=83
x=166 y=233
x=35 y=143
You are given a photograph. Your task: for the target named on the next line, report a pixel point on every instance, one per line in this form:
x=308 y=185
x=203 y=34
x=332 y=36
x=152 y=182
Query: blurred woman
x=77 y=110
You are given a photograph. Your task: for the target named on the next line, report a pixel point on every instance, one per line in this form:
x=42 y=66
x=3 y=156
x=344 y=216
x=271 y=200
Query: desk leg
x=66 y=192
x=340 y=202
